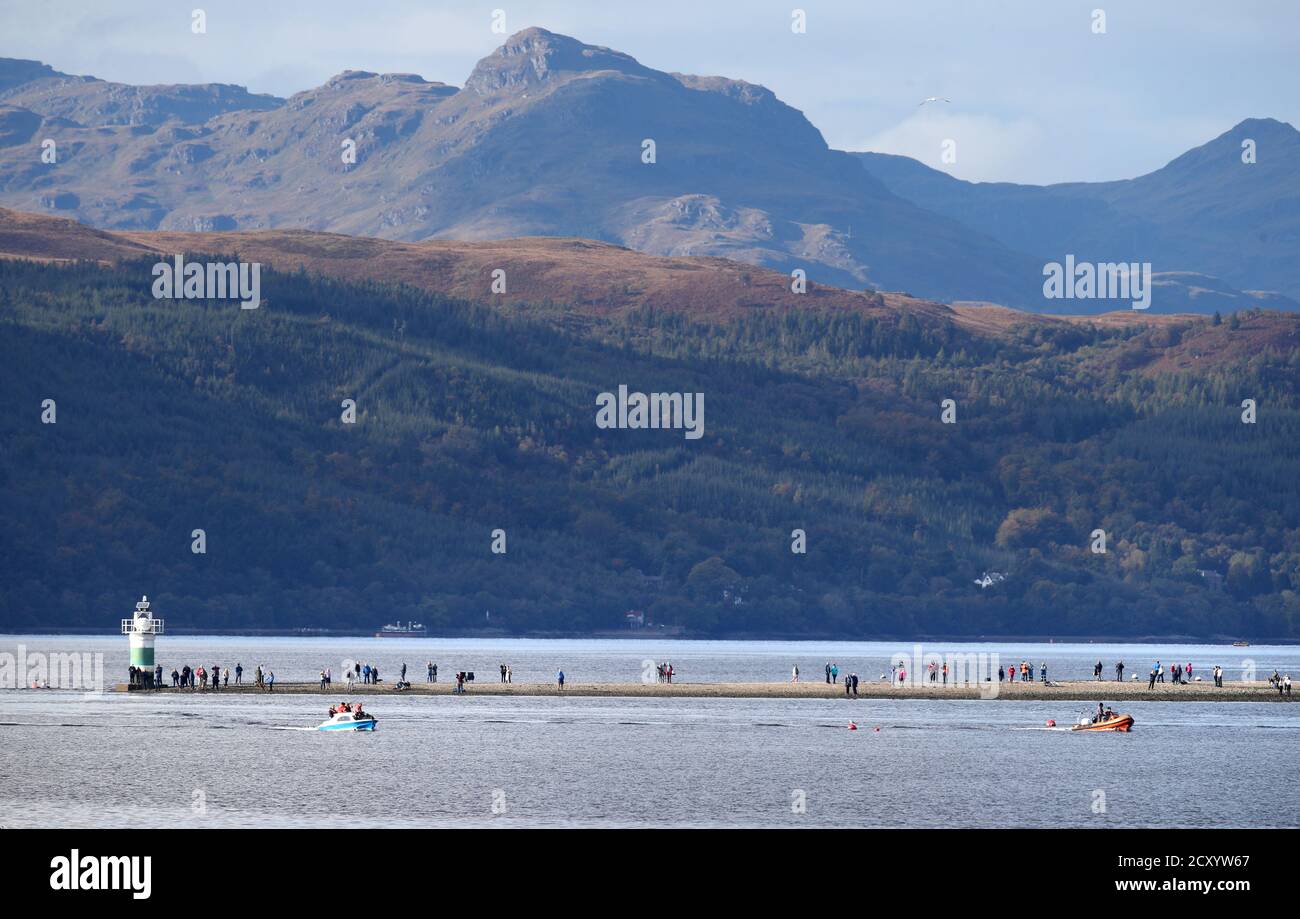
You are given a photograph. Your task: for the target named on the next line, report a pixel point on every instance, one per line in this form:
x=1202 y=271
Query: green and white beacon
x=142 y=628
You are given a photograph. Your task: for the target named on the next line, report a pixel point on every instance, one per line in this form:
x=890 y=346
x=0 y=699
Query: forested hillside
x=176 y=416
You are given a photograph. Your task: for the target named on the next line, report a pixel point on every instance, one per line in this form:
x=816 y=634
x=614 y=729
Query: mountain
x=477 y=412
x=1207 y=213
x=546 y=138
x=68 y=101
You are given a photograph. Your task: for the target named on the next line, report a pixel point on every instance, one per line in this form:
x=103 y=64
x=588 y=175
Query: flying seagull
x=935 y=99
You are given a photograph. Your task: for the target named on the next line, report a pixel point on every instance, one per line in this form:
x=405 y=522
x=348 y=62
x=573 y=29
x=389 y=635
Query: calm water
x=146 y=760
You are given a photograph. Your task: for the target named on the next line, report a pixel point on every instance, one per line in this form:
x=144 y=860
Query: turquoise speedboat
x=347 y=721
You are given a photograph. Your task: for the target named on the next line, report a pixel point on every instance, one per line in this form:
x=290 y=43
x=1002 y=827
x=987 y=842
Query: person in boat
x=1102 y=713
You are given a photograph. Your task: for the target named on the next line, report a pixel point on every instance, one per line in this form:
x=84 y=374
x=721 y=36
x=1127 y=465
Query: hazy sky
x=1036 y=95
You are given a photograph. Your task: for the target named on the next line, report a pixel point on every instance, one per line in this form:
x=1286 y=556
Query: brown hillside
x=592 y=277
x=599 y=279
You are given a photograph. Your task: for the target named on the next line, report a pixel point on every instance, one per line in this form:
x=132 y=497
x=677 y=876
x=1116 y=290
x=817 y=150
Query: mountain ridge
x=1205 y=211
x=547 y=138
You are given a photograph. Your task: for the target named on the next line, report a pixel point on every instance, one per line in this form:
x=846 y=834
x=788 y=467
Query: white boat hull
x=365 y=724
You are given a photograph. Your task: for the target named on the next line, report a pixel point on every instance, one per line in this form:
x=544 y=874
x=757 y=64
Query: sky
x=1037 y=94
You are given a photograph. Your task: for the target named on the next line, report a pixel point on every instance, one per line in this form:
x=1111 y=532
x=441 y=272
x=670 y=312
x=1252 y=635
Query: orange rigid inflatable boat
x=1114 y=723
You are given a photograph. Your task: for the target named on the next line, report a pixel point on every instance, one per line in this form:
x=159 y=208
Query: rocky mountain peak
x=535 y=56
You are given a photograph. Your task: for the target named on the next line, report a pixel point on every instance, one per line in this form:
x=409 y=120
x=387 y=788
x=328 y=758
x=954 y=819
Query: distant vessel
x=397 y=630
x=1241 y=644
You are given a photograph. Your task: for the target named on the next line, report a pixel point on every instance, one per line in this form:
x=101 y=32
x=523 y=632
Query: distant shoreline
x=1065 y=691
x=650 y=635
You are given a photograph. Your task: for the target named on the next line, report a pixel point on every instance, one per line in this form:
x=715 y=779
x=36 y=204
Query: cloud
x=987 y=149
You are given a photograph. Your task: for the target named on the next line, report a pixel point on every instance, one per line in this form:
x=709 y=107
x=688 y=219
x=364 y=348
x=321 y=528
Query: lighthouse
x=141 y=629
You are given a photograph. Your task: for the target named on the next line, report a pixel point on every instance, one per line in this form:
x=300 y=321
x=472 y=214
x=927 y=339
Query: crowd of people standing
x=196 y=678
x=936 y=671
x=1025 y=670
